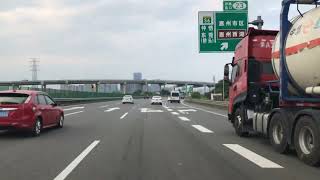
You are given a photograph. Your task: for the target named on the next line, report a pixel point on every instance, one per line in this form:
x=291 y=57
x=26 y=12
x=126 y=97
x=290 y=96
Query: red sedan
x=29 y=110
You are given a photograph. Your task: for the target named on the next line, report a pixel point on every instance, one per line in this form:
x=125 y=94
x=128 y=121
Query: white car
x=127 y=99
x=174 y=97
x=156 y=100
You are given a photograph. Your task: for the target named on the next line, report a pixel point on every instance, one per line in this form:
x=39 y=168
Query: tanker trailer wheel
x=238 y=123
x=307 y=141
x=277 y=133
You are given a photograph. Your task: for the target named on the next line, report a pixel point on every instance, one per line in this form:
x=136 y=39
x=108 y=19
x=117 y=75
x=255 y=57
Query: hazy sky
x=111 y=39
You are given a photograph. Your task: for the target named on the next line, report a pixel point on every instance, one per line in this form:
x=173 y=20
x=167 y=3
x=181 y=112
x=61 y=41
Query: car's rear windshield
x=156 y=97
x=128 y=96
x=13 y=98
x=175 y=94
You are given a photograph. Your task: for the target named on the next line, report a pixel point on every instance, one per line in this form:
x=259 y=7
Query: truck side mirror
x=226 y=72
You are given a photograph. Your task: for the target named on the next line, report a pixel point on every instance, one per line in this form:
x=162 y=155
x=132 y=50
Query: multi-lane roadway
x=112 y=141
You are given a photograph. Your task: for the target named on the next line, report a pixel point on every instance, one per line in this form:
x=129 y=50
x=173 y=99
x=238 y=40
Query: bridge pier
x=205 y=88
x=123 y=88
x=44 y=87
x=186 y=89
x=146 y=87
x=162 y=86
x=97 y=87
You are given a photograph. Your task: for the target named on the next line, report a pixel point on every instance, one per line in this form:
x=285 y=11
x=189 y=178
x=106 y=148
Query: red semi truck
x=275 y=84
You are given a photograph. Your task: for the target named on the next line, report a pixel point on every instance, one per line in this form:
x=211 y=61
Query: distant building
x=131 y=88
x=108 y=88
x=154 y=88
x=137 y=76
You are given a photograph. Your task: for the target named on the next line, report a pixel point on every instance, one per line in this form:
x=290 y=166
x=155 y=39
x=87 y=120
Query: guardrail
x=70 y=101
x=216 y=104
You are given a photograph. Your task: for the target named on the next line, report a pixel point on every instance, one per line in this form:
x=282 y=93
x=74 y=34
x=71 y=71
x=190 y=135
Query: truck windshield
x=266 y=68
x=260 y=67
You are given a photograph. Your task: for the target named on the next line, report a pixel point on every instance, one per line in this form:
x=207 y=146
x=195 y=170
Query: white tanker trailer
x=275 y=90
x=302 y=54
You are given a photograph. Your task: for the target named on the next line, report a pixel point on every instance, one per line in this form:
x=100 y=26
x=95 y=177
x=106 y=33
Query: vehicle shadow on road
x=263 y=140
x=23 y=134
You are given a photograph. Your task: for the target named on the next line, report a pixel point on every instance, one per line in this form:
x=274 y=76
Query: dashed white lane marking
x=174 y=113
x=202 y=129
x=184 y=118
x=124 y=115
x=169 y=110
x=253 y=157
x=147 y=110
x=205 y=110
x=73 y=113
x=76 y=161
x=112 y=109
x=74 y=108
x=186 y=111
x=104 y=106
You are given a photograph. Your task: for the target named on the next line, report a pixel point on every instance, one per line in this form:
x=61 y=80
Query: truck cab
x=251 y=71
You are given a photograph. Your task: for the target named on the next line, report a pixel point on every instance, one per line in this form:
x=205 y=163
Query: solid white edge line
x=252 y=156
x=76 y=161
x=184 y=118
x=204 y=110
x=73 y=113
x=169 y=110
x=202 y=129
x=124 y=115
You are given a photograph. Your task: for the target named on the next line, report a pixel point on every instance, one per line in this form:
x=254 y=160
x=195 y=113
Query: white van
x=174 y=97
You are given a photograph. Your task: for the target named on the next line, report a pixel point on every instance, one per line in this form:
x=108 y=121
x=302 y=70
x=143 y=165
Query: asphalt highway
x=115 y=141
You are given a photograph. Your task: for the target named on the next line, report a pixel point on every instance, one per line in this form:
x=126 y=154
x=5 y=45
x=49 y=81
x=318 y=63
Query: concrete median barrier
x=215 y=104
x=70 y=101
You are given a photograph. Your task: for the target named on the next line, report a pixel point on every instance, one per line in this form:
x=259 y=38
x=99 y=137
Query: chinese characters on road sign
x=207 y=34
x=229 y=34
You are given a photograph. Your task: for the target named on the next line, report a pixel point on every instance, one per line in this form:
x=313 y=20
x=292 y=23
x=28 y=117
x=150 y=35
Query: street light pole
x=214 y=84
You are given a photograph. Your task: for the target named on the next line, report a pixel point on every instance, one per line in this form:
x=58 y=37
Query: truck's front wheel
x=238 y=123
x=307 y=141
x=277 y=133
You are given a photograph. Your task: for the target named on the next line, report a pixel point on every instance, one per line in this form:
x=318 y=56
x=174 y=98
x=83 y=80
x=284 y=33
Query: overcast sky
x=111 y=39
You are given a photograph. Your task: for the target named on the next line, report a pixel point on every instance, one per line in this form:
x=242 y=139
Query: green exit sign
x=235 y=5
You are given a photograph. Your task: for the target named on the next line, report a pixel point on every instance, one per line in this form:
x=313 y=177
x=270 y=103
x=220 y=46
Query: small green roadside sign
x=235 y=5
x=206 y=31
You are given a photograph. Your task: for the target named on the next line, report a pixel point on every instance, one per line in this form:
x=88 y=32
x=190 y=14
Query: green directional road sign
x=206 y=31
x=235 y=5
x=231 y=27
x=221 y=31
